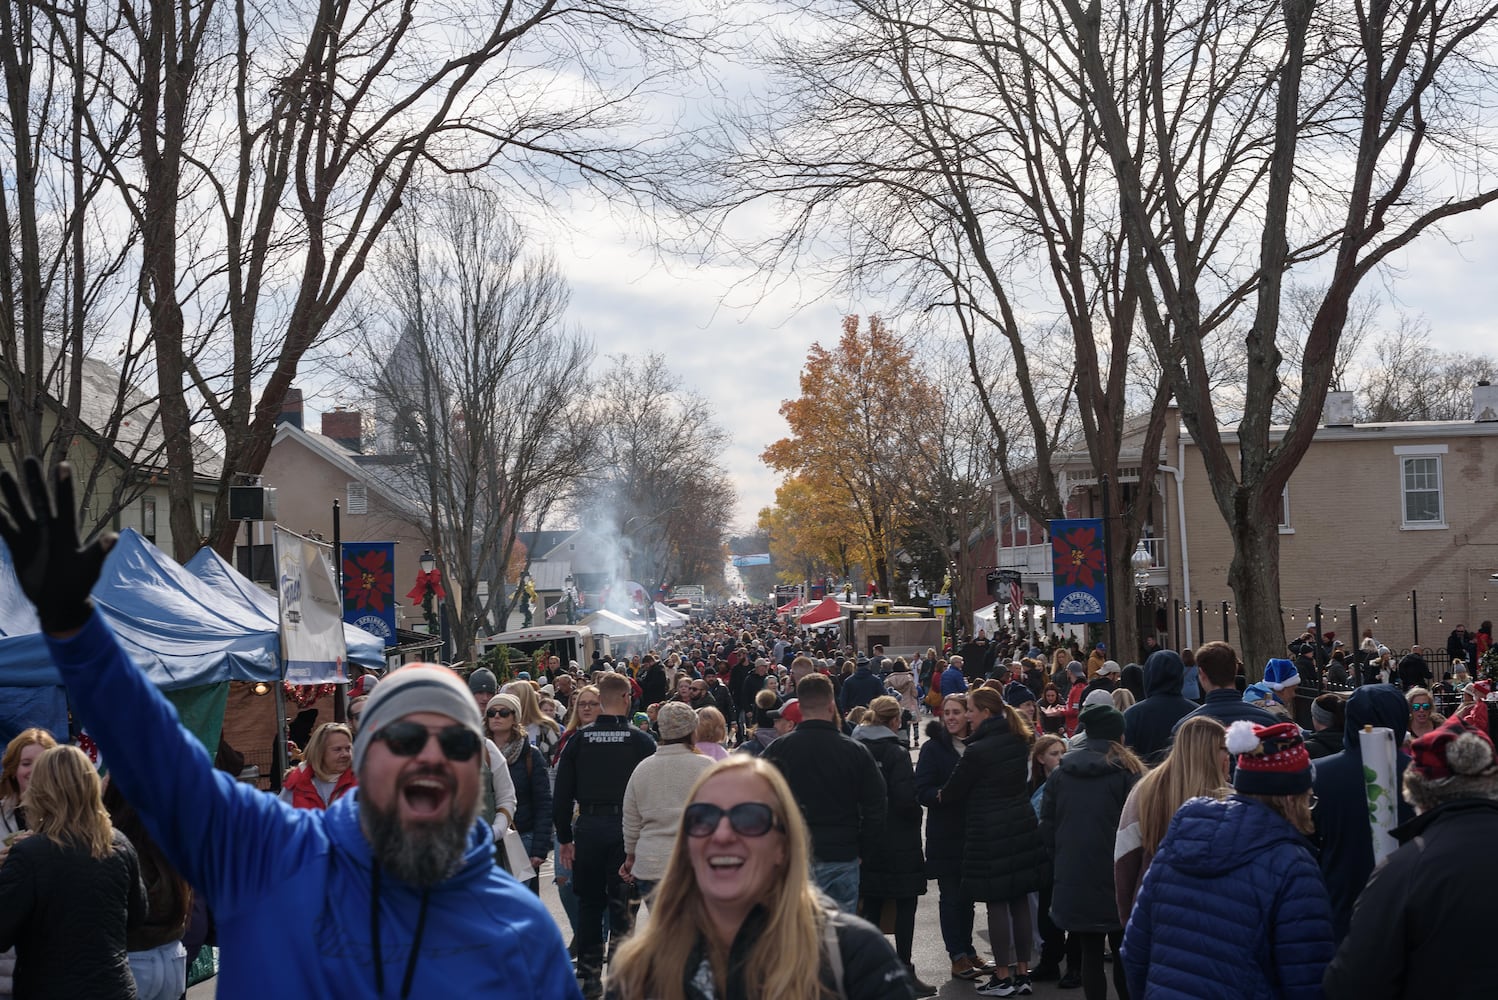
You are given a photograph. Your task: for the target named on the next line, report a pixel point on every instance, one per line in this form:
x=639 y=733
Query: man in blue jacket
x=862 y=688
x=1217 y=664
x=1148 y=724
x=392 y=892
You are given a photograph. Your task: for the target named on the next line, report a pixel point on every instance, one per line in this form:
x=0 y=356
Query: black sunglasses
x=503 y=713
x=748 y=819
x=407 y=739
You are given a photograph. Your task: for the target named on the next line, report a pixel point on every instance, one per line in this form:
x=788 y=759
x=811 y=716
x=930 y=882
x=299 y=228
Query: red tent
x=790 y=605
x=828 y=611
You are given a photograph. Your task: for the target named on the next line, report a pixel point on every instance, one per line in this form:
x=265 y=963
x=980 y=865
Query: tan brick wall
x=1348 y=546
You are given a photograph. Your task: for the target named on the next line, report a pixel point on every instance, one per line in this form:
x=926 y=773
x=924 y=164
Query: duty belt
x=600 y=809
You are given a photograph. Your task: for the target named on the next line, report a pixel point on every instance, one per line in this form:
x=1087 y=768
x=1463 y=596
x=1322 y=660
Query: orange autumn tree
x=806 y=537
x=855 y=437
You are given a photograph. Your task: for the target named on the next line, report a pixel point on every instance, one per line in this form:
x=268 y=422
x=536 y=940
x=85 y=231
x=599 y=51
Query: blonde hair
x=1123 y=699
x=1191 y=769
x=576 y=697
x=63 y=802
x=530 y=705
x=784 y=962
x=882 y=711
x=711 y=726
x=1293 y=809
x=10 y=764
x=317 y=744
x=856 y=714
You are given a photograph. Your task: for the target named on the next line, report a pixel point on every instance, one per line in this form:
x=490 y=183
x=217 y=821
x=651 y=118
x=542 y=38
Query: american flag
x=1016 y=598
x=551 y=612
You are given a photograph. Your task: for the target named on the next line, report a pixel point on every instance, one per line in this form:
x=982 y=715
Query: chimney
x=1484 y=402
x=344 y=427
x=291 y=408
x=1339 y=410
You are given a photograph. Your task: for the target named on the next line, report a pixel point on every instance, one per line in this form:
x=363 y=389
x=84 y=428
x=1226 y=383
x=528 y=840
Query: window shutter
x=358 y=499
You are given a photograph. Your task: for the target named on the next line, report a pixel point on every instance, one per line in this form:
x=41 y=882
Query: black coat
x=1148 y=723
x=1084 y=797
x=946 y=822
x=838 y=787
x=1003 y=857
x=532 y=800
x=1430 y=893
x=66 y=915
x=894 y=869
x=653 y=685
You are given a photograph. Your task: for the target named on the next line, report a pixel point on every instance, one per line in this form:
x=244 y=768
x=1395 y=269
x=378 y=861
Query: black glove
x=55 y=572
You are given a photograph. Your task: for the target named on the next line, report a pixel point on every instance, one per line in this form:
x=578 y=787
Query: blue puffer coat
x=1232 y=906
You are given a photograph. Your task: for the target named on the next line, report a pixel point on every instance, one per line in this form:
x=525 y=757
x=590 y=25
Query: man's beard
x=423 y=855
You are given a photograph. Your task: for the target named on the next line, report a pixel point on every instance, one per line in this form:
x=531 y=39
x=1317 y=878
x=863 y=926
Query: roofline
x=287 y=431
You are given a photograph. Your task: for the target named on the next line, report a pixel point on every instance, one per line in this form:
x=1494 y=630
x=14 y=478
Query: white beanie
x=417 y=687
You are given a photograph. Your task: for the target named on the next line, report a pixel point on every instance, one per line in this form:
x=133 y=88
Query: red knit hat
x=1272 y=760
x=1455 y=749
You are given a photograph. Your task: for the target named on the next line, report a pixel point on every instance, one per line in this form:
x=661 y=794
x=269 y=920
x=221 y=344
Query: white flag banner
x=1380 y=777
x=312 y=645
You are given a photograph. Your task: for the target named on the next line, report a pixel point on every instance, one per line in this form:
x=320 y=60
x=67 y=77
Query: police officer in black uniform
x=593 y=771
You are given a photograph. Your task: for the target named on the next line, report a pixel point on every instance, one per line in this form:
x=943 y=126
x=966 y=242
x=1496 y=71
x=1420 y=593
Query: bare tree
x=946 y=139
x=657 y=484
x=485 y=385
x=1245 y=140
x=1409 y=379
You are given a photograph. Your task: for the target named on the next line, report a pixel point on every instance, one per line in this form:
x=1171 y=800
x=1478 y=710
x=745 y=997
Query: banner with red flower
x=1079 y=570
x=369 y=588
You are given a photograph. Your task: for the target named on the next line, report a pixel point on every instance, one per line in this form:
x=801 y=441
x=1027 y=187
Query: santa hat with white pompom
x=1456 y=761
x=1272 y=760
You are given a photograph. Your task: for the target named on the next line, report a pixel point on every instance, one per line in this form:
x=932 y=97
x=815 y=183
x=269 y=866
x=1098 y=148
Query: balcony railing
x=1156 y=548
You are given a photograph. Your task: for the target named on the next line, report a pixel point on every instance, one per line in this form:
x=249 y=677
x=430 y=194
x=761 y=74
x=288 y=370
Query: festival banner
x=1079 y=570
x=755 y=559
x=369 y=588
x=312 y=646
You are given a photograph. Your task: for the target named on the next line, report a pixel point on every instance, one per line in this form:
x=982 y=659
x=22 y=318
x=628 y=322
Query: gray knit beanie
x=417 y=687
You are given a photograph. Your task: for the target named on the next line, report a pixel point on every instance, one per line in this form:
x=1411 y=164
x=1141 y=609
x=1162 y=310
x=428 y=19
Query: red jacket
x=304 y=793
x=1074 y=705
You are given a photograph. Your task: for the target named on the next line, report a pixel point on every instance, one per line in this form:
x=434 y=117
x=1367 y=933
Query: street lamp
x=428 y=586
x=1142 y=561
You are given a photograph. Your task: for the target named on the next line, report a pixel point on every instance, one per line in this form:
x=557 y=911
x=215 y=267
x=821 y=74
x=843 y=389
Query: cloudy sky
x=746 y=356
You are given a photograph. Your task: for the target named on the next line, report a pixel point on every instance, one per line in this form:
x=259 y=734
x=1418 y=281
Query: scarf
x=514 y=748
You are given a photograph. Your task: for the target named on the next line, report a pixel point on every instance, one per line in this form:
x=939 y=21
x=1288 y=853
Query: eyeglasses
x=748 y=819
x=407 y=739
x=1416 y=706
x=503 y=713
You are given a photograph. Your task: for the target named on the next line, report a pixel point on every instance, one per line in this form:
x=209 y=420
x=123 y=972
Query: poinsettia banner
x=369 y=588
x=1079 y=570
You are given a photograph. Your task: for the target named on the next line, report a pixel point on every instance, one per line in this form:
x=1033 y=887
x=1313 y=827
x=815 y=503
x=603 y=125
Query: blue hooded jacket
x=1232 y=906
x=1341 y=814
x=294 y=891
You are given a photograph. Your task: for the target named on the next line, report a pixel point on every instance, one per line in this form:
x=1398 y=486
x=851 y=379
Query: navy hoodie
x=1341 y=813
x=1149 y=723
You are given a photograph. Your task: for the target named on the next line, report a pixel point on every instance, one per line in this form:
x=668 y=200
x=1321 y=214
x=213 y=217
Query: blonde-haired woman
x=69 y=938
x=326 y=773
x=736 y=912
x=540 y=728
x=1423 y=715
x=15 y=773
x=712 y=730
x=1196 y=765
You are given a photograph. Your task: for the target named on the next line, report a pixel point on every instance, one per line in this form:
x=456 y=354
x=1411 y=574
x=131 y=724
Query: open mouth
x=723 y=863
x=426 y=796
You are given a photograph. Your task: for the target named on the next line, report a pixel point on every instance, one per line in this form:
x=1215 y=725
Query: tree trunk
x=1121 y=591
x=1254 y=576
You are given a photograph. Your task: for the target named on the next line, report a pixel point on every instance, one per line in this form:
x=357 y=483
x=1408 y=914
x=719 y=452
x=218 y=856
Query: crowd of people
x=777 y=801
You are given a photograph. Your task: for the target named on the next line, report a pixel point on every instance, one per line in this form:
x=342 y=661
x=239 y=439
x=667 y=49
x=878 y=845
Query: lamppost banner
x=369 y=588
x=312 y=644
x=1079 y=570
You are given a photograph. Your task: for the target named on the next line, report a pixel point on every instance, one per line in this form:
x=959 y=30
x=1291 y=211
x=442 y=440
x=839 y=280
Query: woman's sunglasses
x=1417 y=706
x=499 y=713
x=407 y=739
x=748 y=819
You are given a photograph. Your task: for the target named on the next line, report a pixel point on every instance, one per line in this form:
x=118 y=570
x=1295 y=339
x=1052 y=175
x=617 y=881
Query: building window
x=205 y=515
x=1022 y=523
x=357 y=499
x=148 y=518
x=1420 y=486
x=1285 y=527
